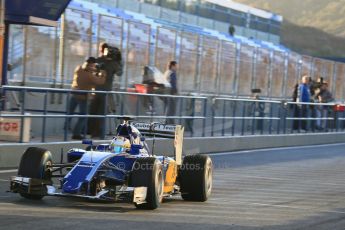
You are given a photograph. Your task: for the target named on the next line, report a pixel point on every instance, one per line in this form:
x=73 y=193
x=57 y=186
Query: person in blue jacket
x=304 y=96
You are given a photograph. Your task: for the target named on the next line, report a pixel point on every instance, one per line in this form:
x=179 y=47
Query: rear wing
x=163 y=130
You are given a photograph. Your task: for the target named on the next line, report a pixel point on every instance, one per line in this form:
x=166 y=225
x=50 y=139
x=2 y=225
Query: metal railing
x=117 y=104
x=201 y=116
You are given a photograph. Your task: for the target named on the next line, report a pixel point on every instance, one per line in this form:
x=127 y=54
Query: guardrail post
x=67 y=118
x=153 y=108
x=262 y=114
x=233 y=120
x=213 y=106
x=270 y=121
x=300 y=109
x=191 y=121
x=336 y=120
x=327 y=123
x=137 y=105
x=181 y=107
x=254 y=123
x=205 y=117
x=25 y=38
x=23 y=93
x=224 y=113
x=122 y=104
x=44 y=118
x=104 y=115
x=86 y=120
x=285 y=112
x=342 y=122
x=243 y=120
x=62 y=54
x=279 y=116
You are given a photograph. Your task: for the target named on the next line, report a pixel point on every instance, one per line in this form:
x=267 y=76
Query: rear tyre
x=147 y=172
x=35 y=163
x=196 y=177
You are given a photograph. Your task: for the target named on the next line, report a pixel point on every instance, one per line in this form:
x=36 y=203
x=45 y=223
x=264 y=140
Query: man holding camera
x=110 y=61
x=85 y=77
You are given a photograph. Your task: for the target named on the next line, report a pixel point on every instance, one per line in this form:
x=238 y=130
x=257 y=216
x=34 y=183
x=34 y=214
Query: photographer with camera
x=86 y=77
x=110 y=60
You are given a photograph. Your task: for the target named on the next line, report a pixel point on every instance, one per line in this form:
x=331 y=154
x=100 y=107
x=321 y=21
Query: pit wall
x=10 y=153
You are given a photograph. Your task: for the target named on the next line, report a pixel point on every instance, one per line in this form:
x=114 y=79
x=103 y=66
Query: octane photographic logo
x=148 y=166
x=121 y=165
x=192 y=167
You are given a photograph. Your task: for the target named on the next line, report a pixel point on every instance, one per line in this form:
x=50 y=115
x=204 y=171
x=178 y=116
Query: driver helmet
x=119 y=144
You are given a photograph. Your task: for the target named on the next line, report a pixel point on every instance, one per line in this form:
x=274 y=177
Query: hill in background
x=313 y=27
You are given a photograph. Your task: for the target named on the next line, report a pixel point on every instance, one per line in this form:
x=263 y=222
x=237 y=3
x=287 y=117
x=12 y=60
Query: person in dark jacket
x=85 y=77
x=98 y=107
x=295 y=108
x=171 y=76
x=323 y=96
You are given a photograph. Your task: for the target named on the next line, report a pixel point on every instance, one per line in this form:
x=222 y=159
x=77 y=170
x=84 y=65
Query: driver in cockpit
x=119 y=144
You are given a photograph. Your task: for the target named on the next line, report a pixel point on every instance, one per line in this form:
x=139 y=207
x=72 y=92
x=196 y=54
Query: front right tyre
x=147 y=172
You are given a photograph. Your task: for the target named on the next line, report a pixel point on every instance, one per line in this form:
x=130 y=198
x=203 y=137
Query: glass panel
x=110 y=30
x=292 y=79
x=188 y=61
x=171 y=4
x=278 y=70
x=206 y=12
x=138 y=48
x=78 y=40
x=165 y=47
x=339 y=87
x=324 y=69
x=306 y=65
x=16 y=52
x=40 y=60
x=208 y=68
x=262 y=70
x=227 y=67
x=246 y=69
x=221 y=16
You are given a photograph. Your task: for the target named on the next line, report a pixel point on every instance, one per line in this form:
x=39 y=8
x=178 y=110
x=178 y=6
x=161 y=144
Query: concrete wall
x=10 y=153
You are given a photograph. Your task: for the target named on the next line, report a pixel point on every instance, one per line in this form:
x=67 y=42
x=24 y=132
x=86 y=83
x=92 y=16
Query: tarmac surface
x=287 y=188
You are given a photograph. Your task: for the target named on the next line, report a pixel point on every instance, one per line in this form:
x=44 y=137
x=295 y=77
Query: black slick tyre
x=147 y=172
x=35 y=163
x=195 y=176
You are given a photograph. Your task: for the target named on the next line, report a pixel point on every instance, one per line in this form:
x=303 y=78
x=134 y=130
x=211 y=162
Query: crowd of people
x=98 y=74
x=317 y=93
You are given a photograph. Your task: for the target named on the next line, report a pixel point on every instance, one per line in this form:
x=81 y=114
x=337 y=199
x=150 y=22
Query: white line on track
x=275 y=205
x=4 y=180
x=8 y=171
x=270 y=149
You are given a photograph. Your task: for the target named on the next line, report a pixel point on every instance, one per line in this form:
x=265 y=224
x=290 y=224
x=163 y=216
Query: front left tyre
x=36 y=164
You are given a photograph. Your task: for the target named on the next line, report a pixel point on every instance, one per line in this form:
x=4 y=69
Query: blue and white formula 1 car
x=123 y=170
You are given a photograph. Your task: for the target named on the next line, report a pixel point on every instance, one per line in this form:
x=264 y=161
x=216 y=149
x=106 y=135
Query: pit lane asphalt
x=289 y=188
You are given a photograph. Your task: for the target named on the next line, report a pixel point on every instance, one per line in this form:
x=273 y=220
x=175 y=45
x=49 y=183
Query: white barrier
x=10 y=128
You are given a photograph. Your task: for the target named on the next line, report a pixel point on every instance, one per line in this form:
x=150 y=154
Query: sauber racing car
x=124 y=170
